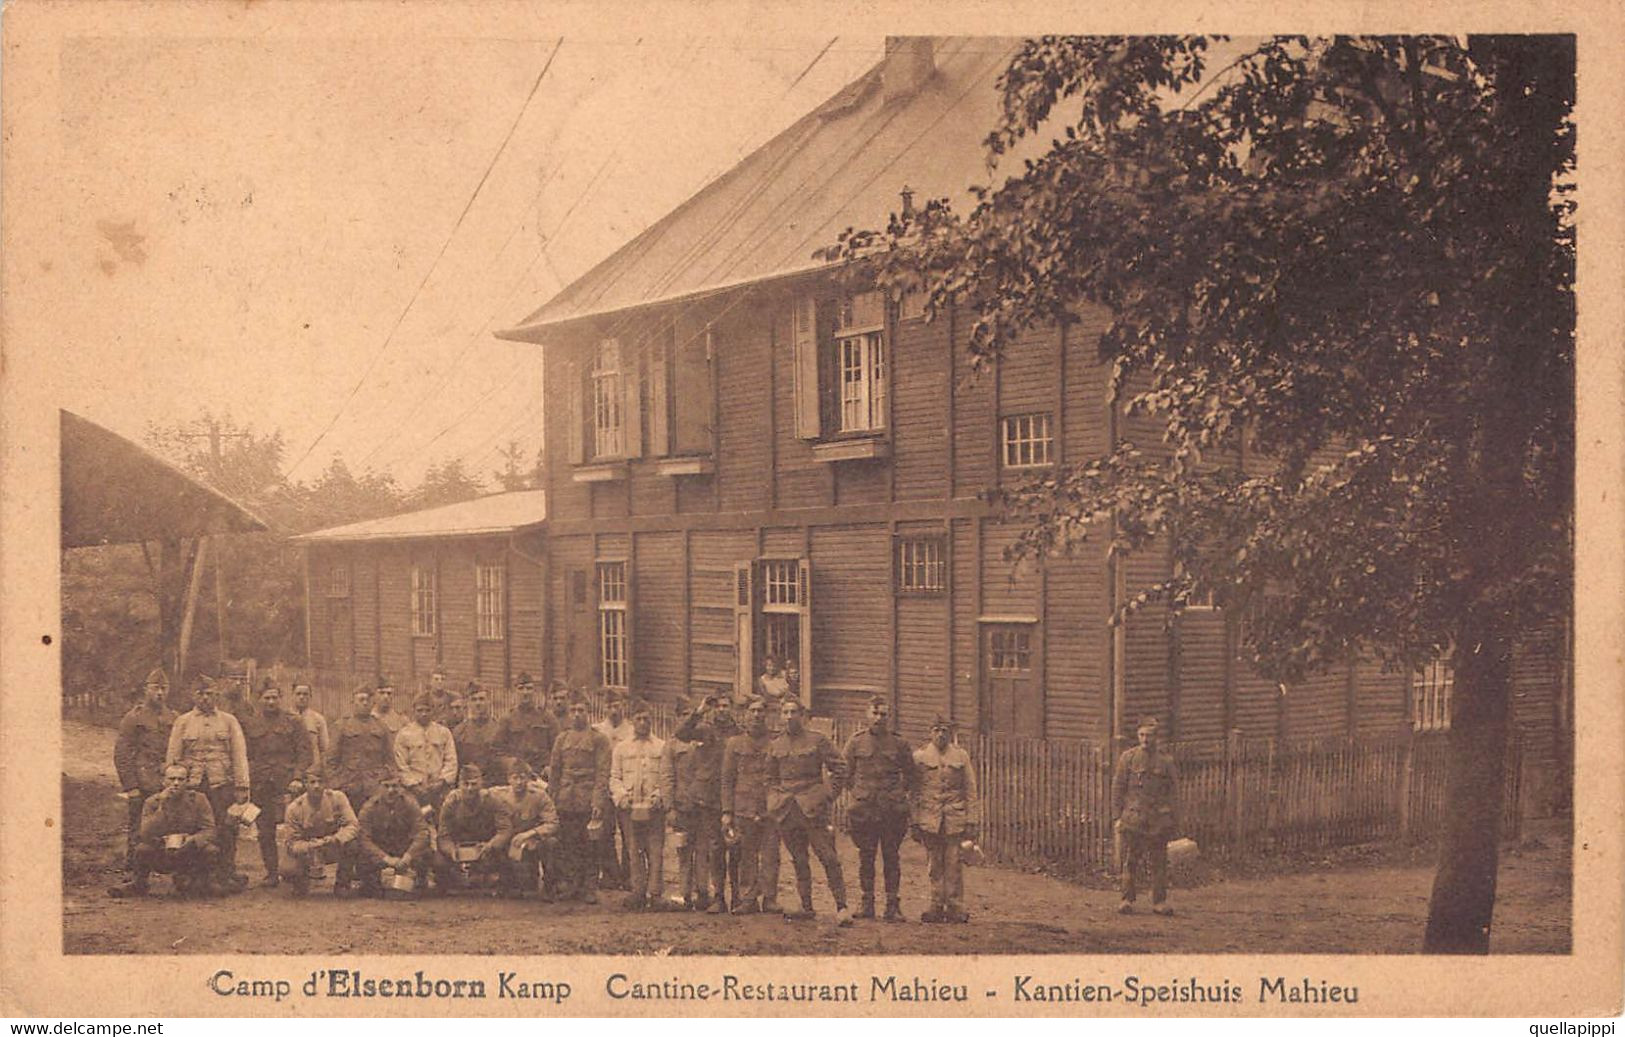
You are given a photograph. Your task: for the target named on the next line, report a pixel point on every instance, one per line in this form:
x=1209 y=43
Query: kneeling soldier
x=393 y=835
x=321 y=830
x=176 y=837
x=474 y=831
x=945 y=814
x=535 y=825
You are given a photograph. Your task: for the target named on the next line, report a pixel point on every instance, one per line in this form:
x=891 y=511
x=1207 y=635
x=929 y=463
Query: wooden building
x=458 y=587
x=747 y=456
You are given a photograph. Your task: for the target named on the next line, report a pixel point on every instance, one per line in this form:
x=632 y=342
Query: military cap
x=525 y=681
x=940 y=722
x=158 y=676
x=470 y=770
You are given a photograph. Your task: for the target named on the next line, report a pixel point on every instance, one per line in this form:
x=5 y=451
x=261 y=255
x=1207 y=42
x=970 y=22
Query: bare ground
x=1366 y=900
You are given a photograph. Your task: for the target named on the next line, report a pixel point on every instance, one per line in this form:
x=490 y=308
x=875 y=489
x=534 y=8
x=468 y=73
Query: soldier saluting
x=1145 y=798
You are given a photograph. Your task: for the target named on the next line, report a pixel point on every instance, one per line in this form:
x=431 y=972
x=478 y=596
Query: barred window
x=920 y=565
x=338 y=581
x=1010 y=650
x=1028 y=441
x=488 y=601
x=613 y=649
x=423 y=601
x=1431 y=690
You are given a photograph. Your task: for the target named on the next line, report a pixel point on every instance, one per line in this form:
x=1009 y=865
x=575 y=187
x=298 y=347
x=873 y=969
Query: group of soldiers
x=733 y=792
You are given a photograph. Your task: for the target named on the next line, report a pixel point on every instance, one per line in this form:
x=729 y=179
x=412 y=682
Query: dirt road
x=1330 y=907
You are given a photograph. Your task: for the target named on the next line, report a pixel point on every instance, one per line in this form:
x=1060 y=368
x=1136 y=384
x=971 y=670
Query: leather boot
x=866 y=909
x=894 y=910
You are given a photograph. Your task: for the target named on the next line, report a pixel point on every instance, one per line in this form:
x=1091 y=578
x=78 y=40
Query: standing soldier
x=138 y=755
x=694 y=765
x=880 y=781
x=534 y=821
x=1145 y=798
x=210 y=745
x=176 y=837
x=526 y=734
x=477 y=736
x=361 y=758
x=558 y=700
x=391 y=834
x=440 y=696
x=946 y=812
x=580 y=769
x=321 y=829
x=744 y=812
x=639 y=790
x=279 y=750
x=383 y=707
x=798 y=798
x=425 y=755
x=614 y=869
x=314 y=722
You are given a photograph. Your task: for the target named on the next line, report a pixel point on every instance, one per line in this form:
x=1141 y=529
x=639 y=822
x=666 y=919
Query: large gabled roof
x=496 y=515
x=842 y=165
x=116 y=492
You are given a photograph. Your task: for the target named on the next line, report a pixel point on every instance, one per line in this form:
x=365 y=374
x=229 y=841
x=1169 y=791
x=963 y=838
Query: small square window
x=921 y=565
x=1028 y=441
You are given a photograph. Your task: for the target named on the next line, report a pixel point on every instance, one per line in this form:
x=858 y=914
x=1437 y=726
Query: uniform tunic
x=279 y=750
x=477 y=744
x=1144 y=792
x=211 y=747
x=392 y=826
x=879 y=776
x=425 y=755
x=527 y=735
x=795 y=774
x=945 y=806
x=580 y=769
x=361 y=756
x=143 y=741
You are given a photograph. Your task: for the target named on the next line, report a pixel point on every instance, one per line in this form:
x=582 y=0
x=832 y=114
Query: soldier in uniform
x=535 y=824
x=138 y=755
x=527 y=733
x=360 y=759
x=321 y=829
x=477 y=736
x=744 y=812
x=425 y=755
x=279 y=750
x=880 y=785
x=798 y=799
x=694 y=760
x=210 y=745
x=580 y=769
x=559 y=698
x=471 y=816
x=1145 y=798
x=175 y=810
x=314 y=722
x=638 y=787
x=614 y=869
x=383 y=707
x=946 y=812
x=440 y=696
x=391 y=834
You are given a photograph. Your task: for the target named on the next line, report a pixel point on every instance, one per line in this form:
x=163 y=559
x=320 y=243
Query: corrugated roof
x=843 y=165
x=116 y=492
x=495 y=515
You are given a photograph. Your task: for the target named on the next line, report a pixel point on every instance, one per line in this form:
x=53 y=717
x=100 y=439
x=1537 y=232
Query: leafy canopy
x=1339 y=277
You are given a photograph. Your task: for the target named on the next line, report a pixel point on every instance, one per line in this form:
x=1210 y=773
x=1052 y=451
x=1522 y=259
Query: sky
x=317 y=231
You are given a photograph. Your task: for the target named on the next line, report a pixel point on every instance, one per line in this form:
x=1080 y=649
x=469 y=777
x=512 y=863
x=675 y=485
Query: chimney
x=909 y=63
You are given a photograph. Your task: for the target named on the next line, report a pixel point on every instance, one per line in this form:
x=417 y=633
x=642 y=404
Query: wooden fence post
x=1234 y=787
x=1407 y=774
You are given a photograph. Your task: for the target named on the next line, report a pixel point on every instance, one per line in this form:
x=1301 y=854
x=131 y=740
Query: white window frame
x=608 y=401
x=1020 y=649
x=1028 y=440
x=425 y=601
x=860 y=355
x=490 y=586
x=614 y=648
x=922 y=564
x=1431 y=692
x=781 y=584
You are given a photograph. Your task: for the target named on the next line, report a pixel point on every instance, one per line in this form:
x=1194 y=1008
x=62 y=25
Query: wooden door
x=1011 y=703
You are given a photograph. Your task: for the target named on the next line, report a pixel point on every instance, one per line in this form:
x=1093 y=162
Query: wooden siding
x=1201 y=674
x=975 y=437
x=851 y=617
x=967 y=650
x=363 y=568
x=799 y=481
x=744 y=464
x=919 y=413
x=527 y=615
x=456 y=599
x=1085 y=433
x=657 y=642
x=1076 y=644
x=395 y=618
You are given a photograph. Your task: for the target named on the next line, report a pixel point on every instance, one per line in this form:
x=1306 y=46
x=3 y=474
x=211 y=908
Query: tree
x=445 y=483
x=1351 y=257
x=512 y=475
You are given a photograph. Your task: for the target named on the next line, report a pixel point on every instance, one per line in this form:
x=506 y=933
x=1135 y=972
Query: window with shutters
x=1028 y=441
x=921 y=565
x=424 y=605
x=613 y=640
x=842 y=369
x=488 y=602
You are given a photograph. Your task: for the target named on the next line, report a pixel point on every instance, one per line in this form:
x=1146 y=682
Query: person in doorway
x=1145 y=798
x=803 y=777
x=773 y=685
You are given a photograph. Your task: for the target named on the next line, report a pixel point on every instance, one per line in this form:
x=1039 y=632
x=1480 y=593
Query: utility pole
x=217 y=456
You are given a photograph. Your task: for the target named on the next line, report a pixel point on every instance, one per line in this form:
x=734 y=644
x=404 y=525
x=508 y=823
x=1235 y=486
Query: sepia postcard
x=852 y=510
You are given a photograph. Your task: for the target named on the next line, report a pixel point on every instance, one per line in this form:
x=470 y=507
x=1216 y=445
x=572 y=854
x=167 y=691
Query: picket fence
x=1047 y=802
